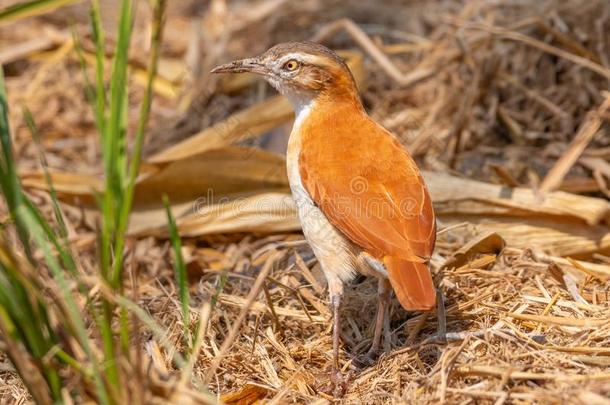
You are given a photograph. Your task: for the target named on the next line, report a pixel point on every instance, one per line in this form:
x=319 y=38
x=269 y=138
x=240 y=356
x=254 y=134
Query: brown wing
x=367 y=185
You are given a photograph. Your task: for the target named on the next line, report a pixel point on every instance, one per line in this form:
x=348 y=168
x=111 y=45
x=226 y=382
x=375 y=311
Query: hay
x=492 y=91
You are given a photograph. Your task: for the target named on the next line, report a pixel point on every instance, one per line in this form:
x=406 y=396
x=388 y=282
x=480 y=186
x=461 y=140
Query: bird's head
x=302 y=71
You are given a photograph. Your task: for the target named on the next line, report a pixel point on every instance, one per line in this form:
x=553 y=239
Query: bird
x=362 y=202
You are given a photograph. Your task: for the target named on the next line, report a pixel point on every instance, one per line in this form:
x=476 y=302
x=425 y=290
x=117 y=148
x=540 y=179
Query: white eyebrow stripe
x=300 y=57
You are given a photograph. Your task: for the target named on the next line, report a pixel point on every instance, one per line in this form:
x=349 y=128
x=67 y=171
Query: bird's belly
x=335 y=253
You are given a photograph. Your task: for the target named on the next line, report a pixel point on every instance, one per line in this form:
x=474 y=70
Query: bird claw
x=339 y=383
x=368 y=359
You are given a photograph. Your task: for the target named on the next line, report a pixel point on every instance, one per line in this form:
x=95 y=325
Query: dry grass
x=499 y=92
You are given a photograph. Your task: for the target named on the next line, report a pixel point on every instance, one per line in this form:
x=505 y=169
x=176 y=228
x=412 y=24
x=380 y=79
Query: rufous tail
x=412 y=284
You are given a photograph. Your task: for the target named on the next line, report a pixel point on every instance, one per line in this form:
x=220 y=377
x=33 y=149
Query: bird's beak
x=252 y=65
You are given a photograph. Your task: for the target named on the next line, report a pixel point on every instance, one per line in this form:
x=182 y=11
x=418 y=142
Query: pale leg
x=384 y=292
x=441 y=315
x=336 y=304
x=335 y=286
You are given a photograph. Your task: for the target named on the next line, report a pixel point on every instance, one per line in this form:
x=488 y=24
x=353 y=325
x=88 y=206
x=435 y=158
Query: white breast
x=334 y=252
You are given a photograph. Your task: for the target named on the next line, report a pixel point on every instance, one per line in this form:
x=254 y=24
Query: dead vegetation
x=504 y=103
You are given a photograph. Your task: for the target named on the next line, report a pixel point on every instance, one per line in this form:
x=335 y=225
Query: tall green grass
x=51 y=337
x=26 y=314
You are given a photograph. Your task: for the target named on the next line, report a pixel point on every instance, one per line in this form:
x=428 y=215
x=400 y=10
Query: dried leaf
x=262 y=213
x=488 y=242
x=209 y=176
x=247 y=395
x=199 y=179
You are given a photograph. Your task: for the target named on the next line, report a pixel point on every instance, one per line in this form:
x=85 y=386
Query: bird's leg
x=339 y=384
x=384 y=292
x=336 y=304
x=441 y=315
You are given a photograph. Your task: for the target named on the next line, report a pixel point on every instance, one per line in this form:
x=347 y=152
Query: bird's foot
x=368 y=359
x=339 y=383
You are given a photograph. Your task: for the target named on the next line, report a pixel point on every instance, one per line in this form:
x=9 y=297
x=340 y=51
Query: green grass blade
x=59 y=216
x=134 y=166
x=115 y=130
x=100 y=92
x=159 y=333
x=91 y=90
x=9 y=182
x=7 y=165
x=61 y=248
x=113 y=140
x=11 y=188
x=179 y=268
x=222 y=280
x=30 y=8
x=99 y=109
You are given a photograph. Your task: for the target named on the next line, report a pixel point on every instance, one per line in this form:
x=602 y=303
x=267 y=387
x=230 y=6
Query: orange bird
x=362 y=202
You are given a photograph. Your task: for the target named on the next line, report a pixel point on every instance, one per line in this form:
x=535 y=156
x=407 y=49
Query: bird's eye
x=291 y=65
